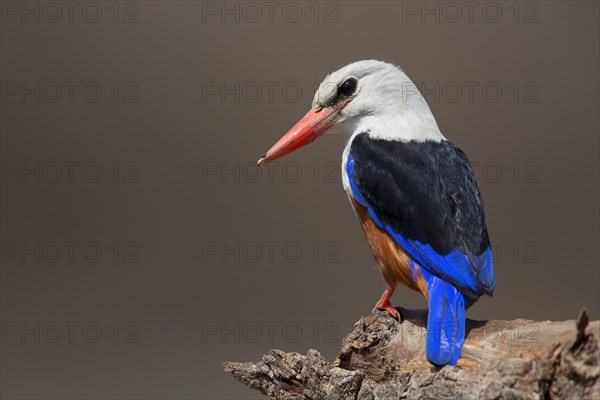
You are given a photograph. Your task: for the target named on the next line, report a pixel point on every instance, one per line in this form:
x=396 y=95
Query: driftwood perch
x=383 y=359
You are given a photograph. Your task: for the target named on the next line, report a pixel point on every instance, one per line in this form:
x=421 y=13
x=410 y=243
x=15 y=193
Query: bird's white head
x=365 y=96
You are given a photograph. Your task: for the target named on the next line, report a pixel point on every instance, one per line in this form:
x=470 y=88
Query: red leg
x=384 y=303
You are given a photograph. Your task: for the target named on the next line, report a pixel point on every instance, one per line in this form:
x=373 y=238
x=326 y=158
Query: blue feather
x=454 y=267
x=445 y=322
x=474 y=275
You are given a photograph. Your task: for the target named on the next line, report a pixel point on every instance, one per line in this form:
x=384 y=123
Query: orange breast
x=392 y=259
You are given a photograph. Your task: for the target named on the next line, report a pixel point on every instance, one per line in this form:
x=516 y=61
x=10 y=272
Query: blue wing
x=426 y=197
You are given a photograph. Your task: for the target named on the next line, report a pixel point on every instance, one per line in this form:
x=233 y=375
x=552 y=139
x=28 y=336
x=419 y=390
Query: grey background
x=189 y=310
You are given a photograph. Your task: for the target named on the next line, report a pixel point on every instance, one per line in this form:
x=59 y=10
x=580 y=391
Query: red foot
x=384 y=304
x=391 y=310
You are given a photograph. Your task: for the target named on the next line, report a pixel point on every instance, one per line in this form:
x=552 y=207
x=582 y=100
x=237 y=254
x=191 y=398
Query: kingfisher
x=412 y=190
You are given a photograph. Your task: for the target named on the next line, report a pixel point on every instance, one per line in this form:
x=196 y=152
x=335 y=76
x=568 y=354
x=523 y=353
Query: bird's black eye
x=349 y=87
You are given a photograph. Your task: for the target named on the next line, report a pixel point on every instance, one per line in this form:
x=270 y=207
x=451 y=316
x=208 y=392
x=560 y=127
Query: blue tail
x=445 y=323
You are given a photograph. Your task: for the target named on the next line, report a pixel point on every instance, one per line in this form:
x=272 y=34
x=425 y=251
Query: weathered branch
x=384 y=359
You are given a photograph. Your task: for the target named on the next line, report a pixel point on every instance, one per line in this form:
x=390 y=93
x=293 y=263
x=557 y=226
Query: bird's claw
x=393 y=311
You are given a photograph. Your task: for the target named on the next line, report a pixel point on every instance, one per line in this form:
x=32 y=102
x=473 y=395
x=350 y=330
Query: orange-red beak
x=310 y=127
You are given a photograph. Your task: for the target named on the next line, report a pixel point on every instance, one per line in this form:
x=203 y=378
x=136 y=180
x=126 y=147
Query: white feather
x=387 y=104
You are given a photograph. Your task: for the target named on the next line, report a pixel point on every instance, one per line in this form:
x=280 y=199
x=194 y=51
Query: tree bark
x=384 y=359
